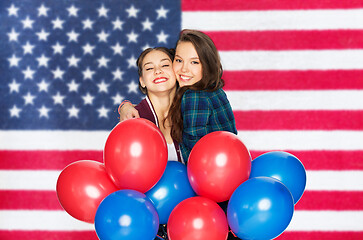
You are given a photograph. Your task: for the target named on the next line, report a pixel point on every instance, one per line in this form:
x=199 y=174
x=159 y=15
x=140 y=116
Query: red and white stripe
x=294 y=76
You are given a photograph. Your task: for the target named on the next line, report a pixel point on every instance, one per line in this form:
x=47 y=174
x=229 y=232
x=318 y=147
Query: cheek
x=148 y=77
x=172 y=76
x=175 y=67
x=197 y=71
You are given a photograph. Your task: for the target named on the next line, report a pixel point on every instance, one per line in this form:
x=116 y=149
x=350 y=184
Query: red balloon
x=197 y=218
x=135 y=154
x=218 y=163
x=81 y=187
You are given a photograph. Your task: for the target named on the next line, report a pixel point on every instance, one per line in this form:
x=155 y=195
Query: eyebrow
x=164 y=59
x=190 y=58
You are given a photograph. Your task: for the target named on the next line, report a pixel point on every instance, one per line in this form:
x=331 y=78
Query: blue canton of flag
x=68 y=64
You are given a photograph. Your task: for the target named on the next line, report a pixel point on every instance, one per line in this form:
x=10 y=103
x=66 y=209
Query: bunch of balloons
x=136 y=188
x=132 y=191
x=260 y=194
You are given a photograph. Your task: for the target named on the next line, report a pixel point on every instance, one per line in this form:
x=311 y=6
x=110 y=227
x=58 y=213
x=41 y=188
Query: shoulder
x=219 y=92
x=219 y=96
x=196 y=94
x=192 y=98
x=202 y=95
x=145 y=110
x=190 y=92
x=142 y=105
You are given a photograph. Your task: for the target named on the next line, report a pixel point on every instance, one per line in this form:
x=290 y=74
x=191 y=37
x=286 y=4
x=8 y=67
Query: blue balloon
x=171 y=189
x=260 y=208
x=126 y=214
x=284 y=167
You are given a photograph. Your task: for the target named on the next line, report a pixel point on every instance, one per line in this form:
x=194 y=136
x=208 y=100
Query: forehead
x=155 y=56
x=186 y=49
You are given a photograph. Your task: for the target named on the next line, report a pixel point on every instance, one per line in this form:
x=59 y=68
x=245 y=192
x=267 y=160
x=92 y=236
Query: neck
x=161 y=103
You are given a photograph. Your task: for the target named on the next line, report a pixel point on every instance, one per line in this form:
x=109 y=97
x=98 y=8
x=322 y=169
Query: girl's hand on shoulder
x=127 y=111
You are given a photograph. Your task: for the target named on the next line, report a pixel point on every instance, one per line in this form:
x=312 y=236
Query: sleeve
x=196 y=112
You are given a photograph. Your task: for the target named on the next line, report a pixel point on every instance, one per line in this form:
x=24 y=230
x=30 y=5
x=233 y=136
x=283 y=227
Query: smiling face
x=187 y=65
x=157 y=73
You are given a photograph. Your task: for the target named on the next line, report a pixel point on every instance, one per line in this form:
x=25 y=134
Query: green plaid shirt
x=204 y=112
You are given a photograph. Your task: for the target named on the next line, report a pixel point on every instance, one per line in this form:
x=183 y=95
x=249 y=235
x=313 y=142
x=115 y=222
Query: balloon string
x=233 y=233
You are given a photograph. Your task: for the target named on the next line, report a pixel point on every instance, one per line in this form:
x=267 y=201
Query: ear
x=142 y=82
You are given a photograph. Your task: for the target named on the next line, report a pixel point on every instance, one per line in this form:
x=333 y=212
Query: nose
x=184 y=67
x=158 y=70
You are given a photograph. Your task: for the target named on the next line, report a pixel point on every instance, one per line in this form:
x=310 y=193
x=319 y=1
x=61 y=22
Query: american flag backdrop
x=293 y=72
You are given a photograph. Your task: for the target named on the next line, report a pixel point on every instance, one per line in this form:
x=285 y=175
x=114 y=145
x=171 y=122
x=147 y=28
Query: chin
x=183 y=84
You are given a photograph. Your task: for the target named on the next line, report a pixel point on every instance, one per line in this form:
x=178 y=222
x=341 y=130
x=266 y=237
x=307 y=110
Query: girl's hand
x=127 y=111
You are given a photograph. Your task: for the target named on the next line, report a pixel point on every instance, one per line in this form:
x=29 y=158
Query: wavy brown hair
x=211 y=75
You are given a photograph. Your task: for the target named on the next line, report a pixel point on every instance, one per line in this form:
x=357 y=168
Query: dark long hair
x=211 y=75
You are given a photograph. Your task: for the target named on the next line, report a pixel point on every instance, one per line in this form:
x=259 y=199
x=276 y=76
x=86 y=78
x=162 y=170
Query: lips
x=160 y=80
x=185 y=78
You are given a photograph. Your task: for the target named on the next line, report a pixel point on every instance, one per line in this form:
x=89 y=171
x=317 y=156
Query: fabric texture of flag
x=293 y=73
